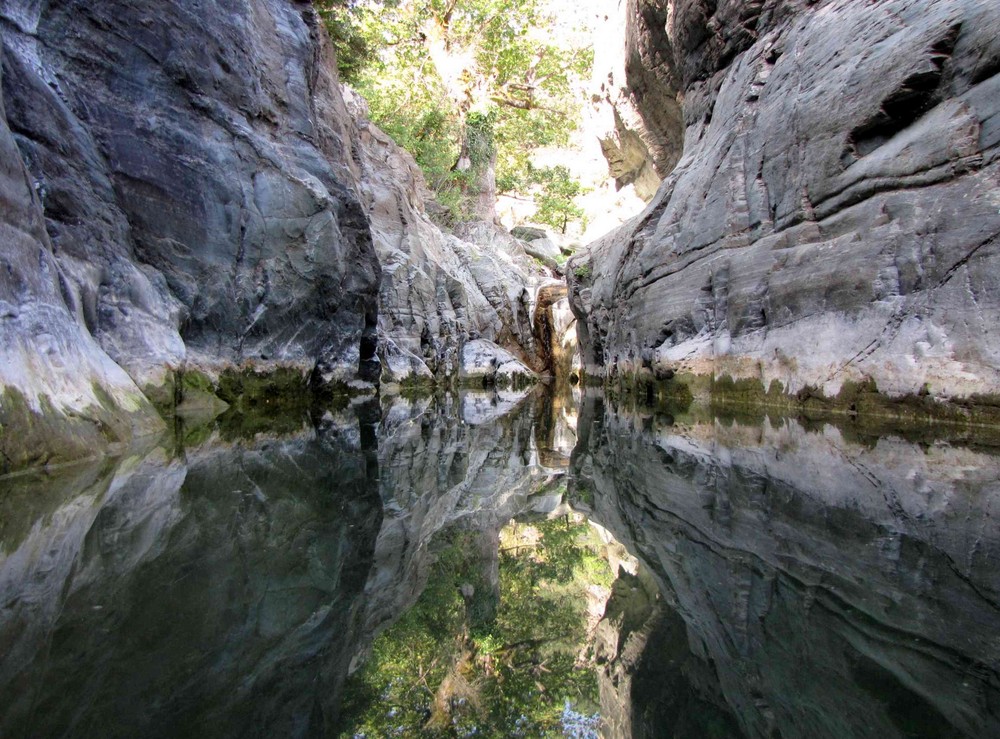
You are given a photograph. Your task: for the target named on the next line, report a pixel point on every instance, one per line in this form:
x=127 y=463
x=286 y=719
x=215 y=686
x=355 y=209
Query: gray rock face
x=192 y=171
x=439 y=290
x=828 y=588
x=836 y=212
x=61 y=396
x=635 y=82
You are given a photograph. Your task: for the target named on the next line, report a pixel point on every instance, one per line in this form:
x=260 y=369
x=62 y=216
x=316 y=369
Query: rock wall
x=187 y=194
x=836 y=211
x=190 y=172
x=440 y=290
x=60 y=394
x=635 y=93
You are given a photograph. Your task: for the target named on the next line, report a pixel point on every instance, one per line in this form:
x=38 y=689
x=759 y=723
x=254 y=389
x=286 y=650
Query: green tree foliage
x=555 y=199
x=451 y=667
x=469 y=87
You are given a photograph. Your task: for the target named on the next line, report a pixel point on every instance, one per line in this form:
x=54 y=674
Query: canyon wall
x=458 y=304
x=834 y=217
x=186 y=194
x=190 y=194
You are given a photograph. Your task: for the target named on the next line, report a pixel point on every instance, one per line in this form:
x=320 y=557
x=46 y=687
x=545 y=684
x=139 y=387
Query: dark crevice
x=916 y=94
x=989 y=67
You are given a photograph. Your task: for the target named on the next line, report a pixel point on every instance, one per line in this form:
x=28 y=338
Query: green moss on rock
x=31 y=438
x=860 y=410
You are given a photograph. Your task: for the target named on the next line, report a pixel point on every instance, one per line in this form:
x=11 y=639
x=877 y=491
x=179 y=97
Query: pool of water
x=506 y=565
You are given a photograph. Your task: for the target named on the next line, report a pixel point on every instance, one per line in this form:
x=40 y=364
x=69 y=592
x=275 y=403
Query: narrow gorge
x=679 y=416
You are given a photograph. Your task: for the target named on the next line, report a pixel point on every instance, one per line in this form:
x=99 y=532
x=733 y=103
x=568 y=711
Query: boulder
x=483 y=362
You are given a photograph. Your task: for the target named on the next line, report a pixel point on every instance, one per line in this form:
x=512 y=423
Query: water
x=358 y=572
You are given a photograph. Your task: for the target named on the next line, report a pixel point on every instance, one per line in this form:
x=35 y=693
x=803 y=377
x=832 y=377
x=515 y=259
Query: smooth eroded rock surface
x=835 y=213
x=190 y=169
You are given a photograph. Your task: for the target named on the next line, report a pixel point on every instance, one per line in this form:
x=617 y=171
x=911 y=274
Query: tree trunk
x=478 y=159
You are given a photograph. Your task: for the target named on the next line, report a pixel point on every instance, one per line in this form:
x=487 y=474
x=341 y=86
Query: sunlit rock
x=834 y=216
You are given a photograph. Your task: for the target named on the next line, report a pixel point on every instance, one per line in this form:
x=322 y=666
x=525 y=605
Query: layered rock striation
x=835 y=215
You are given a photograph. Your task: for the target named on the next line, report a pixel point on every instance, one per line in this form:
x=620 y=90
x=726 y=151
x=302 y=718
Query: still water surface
x=490 y=565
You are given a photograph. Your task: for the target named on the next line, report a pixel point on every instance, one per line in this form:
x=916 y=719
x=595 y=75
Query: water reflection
x=771 y=580
x=497 y=644
x=826 y=588
x=214 y=594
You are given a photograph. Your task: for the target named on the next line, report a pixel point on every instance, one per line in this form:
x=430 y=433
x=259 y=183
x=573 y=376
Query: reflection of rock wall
x=475 y=465
x=216 y=595
x=229 y=589
x=835 y=213
x=651 y=683
x=838 y=590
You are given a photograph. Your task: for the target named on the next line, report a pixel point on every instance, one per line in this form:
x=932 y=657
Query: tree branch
x=524 y=105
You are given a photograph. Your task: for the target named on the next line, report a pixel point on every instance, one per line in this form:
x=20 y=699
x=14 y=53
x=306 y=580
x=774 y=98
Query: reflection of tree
x=444 y=670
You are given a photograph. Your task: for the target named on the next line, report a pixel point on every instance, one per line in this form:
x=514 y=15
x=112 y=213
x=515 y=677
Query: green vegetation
x=49 y=436
x=467 y=660
x=470 y=88
x=555 y=197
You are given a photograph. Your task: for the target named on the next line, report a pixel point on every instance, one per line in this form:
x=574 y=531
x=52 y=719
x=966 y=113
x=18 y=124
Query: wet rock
x=486 y=363
x=834 y=217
